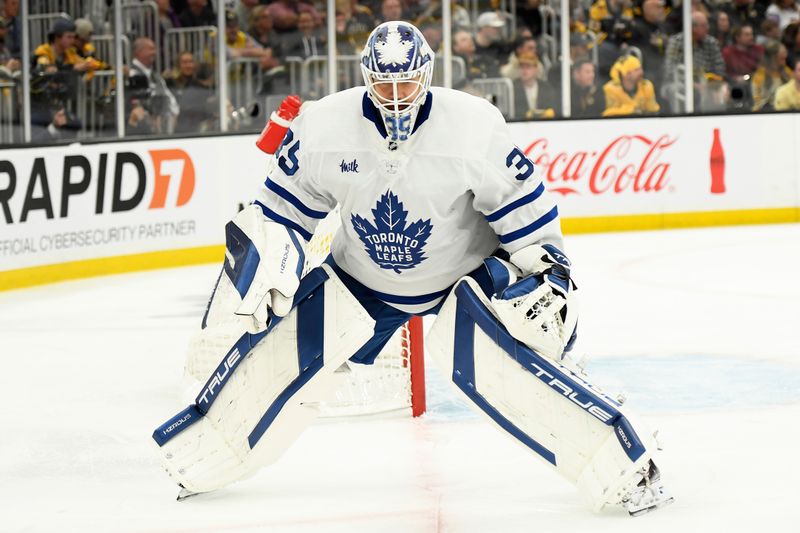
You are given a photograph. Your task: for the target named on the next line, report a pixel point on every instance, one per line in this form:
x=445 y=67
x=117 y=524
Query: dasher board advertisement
x=78 y=202
x=666 y=165
x=131 y=201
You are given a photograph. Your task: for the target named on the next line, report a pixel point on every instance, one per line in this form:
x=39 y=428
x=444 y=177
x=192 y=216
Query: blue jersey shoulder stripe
x=530 y=228
x=272 y=215
x=294 y=200
x=528 y=198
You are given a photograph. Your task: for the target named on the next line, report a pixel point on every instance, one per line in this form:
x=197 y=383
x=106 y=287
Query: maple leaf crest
x=394 y=51
x=389 y=241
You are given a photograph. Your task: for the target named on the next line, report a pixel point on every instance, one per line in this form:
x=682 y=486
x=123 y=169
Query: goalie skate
x=649 y=494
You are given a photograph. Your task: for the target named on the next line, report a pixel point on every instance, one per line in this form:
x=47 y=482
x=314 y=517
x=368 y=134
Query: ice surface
x=699 y=327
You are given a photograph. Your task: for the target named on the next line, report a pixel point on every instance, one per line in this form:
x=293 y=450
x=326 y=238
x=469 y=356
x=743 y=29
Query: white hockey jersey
x=416 y=218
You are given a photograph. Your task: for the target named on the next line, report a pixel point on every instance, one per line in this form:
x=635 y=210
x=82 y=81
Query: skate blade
x=651 y=508
x=185 y=494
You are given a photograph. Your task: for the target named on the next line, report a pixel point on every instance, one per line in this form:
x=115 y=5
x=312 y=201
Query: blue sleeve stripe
x=294 y=200
x=301 y=261
x=527 y=199
x=272 y=215
x=530 y=228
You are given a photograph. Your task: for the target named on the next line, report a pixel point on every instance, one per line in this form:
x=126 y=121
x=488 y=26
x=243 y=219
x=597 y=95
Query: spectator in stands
x=459 y=16
x=579 y=44
x=612 y=19
x=743 y=57
x=771 y=74
x=153 y=107
x=307 y=41
x=261 y=30
x=61 y=127
x=587 y=99
x=746 y=12
x=710 y=90
x=191 y=93
x=769 y=32
x=359 y=22
x=791 y=39
x=59 y=53
x=650 y=36
x=197 y=13
x=787 y=97
x=529 y=15
x=344 y=45
x=708 y=60
x=10 y=67
x=784 y=12
x=721 y=30
x=432 y=31
x=244 y=10
x=533 y=98
x=13 y=38
x=628 y=92
x=85 y=47
x=464 y=47
x=5 y=52
x=491 y=48
x=167 y=18
x=522 y=45
x=390 y=10
x=285 y=14
x=239 y=44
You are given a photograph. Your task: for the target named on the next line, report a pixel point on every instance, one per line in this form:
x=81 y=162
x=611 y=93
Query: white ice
x=700 y=327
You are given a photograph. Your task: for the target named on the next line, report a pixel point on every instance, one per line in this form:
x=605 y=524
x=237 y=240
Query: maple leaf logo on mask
x=389 y=241
x=394 y=51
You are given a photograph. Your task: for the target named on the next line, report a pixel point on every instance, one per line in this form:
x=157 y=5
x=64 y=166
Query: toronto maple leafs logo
x=394 y=50
x=390 y=242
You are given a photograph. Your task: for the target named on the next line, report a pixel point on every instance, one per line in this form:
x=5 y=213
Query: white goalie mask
x=397 y=65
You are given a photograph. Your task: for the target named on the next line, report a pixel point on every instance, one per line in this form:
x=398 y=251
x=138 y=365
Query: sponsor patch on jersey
x=389 y=240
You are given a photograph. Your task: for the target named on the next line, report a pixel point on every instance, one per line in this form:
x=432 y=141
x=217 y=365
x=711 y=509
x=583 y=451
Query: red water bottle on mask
x=277 y=125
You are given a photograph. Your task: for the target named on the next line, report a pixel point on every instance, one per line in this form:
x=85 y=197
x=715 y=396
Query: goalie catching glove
x=537 y=304
x=263 y=264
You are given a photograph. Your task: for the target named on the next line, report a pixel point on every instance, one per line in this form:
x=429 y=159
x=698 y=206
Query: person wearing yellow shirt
x=787 y=97
x=83 y=44
x=628 y=92
x=59 y=52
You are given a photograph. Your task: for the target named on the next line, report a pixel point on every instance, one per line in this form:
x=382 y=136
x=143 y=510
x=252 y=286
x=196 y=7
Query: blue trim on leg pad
x=566 y=384
x=464 y=378
x=172 y=427
x=310 y=343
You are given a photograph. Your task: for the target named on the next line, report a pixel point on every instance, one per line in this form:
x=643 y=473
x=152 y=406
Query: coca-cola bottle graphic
x=717 y=163
x=278 y=123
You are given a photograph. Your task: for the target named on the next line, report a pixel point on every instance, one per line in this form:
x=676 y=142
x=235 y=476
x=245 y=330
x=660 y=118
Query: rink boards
x=82 y=210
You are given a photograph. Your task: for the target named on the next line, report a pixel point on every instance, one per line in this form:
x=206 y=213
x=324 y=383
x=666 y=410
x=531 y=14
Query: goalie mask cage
x=396 y=380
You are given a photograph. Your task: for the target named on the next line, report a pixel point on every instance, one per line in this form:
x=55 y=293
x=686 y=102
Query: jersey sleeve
x=292 y=194
x=512 y=197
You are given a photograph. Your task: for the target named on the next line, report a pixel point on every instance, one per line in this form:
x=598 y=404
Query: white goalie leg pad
x=259 y=399
x=582 y=433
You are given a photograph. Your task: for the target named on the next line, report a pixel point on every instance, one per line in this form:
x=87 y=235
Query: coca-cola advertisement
x=665 y=165
x=633 y=163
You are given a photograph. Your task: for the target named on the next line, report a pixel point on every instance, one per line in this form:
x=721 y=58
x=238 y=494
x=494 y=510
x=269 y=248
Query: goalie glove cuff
x=539 y=258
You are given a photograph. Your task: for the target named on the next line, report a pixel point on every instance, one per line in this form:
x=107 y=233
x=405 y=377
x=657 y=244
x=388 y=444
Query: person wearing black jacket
x=588 y=101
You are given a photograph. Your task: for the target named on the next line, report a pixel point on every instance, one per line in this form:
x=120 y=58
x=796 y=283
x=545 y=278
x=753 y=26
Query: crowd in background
x=625 y=56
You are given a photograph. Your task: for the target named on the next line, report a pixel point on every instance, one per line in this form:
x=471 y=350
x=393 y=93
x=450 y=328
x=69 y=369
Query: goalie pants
x=387 y=318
